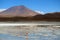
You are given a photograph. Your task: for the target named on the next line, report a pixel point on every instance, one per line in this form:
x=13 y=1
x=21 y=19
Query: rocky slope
x=22 y=13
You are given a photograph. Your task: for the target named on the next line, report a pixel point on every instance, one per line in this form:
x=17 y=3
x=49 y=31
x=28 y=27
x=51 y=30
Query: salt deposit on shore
x=23 y=29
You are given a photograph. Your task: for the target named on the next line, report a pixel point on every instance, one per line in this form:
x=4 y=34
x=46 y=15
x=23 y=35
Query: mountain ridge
x=18 y=11
x=21 y=13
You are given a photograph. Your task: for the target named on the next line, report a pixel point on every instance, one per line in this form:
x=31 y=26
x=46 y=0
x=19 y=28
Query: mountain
x=20 y=11
x=53 y=15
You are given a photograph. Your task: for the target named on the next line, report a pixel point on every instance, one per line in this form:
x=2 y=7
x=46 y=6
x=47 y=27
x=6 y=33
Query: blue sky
x=40 y=5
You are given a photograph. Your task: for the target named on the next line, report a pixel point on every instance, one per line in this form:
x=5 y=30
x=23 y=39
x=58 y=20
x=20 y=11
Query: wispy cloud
x=2 y=10
x=41 y=12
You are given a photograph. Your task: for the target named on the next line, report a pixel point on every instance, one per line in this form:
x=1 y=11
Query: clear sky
x=40 y=5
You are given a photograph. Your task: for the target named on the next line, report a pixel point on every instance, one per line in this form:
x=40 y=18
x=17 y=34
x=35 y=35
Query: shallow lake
x=29 y=33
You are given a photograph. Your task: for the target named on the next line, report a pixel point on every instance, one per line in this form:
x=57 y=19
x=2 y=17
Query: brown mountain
x=20 y=11
x=55 y=16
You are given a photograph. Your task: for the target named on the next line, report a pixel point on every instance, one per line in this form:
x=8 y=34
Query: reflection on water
x=9 y=37
x=30 y=32
x=31 y=36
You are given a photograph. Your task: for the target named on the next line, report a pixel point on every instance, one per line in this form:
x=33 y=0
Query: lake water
x=29 y=32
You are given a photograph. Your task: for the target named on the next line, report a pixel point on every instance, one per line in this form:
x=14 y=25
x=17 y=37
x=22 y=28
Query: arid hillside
x=22 y=13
